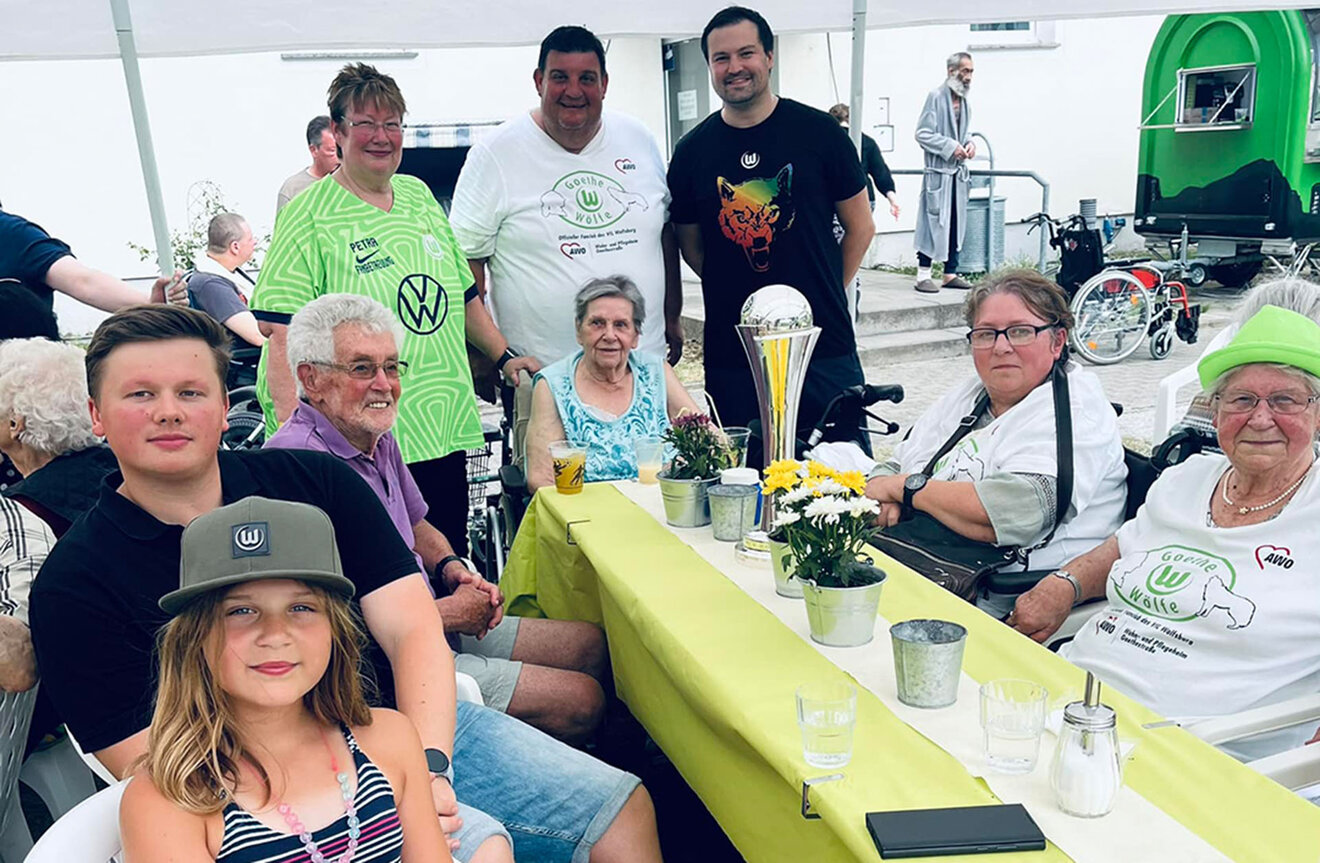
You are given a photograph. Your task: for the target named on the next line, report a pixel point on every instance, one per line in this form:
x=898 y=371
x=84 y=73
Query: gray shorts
x=488 y=662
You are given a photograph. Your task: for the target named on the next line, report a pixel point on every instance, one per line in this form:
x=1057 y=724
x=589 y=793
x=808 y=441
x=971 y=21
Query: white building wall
x=69 y=160
x=1070 y=112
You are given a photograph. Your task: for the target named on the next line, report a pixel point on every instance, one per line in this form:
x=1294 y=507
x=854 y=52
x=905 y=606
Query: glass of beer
x=570 y=461
x=650 y=452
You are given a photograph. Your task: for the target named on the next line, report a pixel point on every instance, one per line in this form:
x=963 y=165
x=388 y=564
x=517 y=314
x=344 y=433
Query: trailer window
x=1223 y=96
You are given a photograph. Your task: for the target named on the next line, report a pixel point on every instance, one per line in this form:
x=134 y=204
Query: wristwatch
x=438 y=764
x=1071 y=579
x=914 y=483
x=509 y=353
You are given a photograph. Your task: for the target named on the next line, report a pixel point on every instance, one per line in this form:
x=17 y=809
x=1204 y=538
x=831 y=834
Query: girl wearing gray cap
x=259 y=743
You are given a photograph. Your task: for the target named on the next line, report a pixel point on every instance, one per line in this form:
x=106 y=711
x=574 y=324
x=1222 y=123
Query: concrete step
x=886 y=349
x=913 y=316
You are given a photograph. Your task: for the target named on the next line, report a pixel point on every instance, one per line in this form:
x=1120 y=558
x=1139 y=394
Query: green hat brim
x=176 y=600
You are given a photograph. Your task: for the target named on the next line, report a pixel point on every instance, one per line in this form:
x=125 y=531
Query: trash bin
x=972 y=257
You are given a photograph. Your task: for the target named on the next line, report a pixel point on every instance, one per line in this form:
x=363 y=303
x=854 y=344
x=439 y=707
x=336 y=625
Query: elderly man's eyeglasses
x=1018 y=335
x=1280 y=403
x=391 y=127
x=394 y=369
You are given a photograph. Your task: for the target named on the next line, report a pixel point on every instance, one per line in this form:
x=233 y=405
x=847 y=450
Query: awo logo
x=572 y=250
x=251 y=539
x=624 y=166
x=1275 y=555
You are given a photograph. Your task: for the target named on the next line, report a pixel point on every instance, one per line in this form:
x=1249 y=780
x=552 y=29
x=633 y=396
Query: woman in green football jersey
x=366 y=229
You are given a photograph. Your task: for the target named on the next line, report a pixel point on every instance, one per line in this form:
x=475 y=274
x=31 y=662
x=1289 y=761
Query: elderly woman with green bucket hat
x=1213 y=589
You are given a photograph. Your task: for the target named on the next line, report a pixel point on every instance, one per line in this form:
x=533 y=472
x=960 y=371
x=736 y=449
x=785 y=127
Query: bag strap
x=1063 y=451
x=965 y=426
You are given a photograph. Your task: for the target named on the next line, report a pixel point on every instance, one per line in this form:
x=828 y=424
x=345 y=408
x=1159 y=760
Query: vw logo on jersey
x=750 y=160
x=422 y=303
x=250 y=539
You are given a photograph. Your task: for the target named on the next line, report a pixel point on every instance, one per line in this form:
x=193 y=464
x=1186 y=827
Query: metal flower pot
x=842 y=616
x=781 y=560
x=686 y=503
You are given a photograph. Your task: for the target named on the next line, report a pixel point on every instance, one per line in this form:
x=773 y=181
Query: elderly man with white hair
x=943 y=131
x=344 y=349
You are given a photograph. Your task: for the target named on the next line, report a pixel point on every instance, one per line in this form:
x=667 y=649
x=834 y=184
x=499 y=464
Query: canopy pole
x=858 y=70
x=142 y=129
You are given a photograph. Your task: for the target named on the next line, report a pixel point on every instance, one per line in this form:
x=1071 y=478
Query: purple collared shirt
x=384 y=471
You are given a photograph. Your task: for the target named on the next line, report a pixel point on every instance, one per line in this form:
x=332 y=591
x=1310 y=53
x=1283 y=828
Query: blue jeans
x=555 y=801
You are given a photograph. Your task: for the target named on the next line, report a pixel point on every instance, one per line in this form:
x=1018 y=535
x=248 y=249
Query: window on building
x=1011 y=34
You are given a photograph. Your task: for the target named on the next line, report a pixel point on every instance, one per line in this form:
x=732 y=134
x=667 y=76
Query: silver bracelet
x=1071 y=579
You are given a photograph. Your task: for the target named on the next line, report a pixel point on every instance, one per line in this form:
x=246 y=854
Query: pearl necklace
x=1243 y=510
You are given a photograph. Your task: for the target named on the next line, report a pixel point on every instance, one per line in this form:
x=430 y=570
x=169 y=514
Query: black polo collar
x=236 y=483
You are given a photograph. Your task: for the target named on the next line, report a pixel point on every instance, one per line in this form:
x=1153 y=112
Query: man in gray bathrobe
x=942 y=133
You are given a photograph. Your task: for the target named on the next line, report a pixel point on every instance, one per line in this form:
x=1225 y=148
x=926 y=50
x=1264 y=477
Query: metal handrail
x=983 y=172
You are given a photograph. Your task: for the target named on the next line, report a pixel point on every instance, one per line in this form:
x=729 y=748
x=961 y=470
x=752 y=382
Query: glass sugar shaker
x=1087 y=771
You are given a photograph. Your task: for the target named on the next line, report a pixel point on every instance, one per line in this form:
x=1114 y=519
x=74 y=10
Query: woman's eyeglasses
x=1018 y=335
x=1280 y=403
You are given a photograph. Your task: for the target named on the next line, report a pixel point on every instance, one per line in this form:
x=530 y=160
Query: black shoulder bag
x=951 y=560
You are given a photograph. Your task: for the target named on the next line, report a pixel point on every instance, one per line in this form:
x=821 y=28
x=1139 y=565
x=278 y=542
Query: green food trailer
x=1230 y=139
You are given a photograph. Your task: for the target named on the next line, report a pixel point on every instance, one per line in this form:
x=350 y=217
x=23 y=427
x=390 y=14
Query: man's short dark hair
x=735 y=15
x=571 y=39
x=26 y=315
x=315 y=128
x=154 y=323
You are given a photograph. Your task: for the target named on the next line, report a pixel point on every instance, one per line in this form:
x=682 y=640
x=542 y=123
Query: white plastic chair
x=1166 y=398
x=102 y=772
x=88 y=833
x=466 y=688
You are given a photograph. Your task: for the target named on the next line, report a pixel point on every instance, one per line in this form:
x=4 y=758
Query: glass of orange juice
x=650 y=452
x=570 y=461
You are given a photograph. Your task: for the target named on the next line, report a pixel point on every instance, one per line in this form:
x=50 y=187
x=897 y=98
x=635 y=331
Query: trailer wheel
x=1196 y=275
x=1236 y=275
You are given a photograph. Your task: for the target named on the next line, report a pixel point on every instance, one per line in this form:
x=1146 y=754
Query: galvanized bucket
x=686 y=503
x=781 y=560
x=928 y=661
x=842 y=616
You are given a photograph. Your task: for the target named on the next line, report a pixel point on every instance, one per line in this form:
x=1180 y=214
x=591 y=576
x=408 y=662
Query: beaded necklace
x=350 y=809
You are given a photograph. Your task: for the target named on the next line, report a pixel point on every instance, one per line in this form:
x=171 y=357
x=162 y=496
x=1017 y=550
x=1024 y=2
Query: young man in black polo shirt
x=156 y=378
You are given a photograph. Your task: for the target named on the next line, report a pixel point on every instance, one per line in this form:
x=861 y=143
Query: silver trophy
x=778 y=336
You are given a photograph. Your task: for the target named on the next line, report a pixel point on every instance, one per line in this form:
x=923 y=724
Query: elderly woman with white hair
x=1213 y=589
x=607 y=394
x=46 y=430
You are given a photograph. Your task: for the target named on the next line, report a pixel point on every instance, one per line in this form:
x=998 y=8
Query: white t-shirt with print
x=1022 y=440
x=1208 y=621
x=550 y=220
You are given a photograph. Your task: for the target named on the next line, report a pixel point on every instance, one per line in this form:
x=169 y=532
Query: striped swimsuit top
x=247 y=840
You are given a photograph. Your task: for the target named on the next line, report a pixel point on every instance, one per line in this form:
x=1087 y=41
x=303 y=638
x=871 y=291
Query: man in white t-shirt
x=561 y=195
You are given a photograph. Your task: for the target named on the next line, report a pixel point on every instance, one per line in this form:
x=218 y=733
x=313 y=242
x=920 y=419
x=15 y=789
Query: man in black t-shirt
x=42 y=264
x=755 y=189
x=155 y=377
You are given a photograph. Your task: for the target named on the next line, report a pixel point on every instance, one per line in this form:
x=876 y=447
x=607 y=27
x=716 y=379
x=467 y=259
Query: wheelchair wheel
x=1161 y=343
x=1112 y=315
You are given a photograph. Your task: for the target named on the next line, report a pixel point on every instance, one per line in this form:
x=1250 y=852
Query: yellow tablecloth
x=711 y=674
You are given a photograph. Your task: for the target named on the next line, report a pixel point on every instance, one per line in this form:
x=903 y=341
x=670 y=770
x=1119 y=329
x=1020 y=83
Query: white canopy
x=68 y=29
x=85 y=28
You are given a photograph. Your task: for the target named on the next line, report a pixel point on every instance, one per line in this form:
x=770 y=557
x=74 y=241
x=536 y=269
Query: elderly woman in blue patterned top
x=607 y=394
